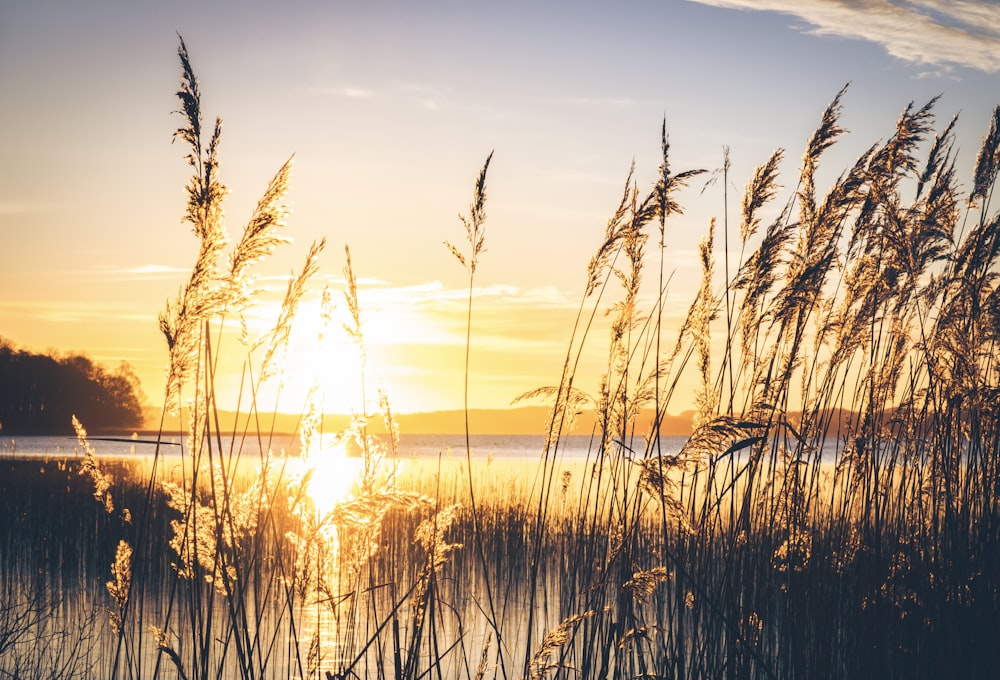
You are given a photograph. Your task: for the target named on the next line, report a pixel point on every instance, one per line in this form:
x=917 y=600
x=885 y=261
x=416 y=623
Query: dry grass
x=834 y=514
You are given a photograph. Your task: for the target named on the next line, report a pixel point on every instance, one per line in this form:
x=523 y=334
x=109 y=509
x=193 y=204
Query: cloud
x=72 y=312
x=151 y=270
x=346 y=91
x=436 y=293
x=430 y=313
x=940 y=33
x=356 y=93
x=414 y=94
x=143 y=271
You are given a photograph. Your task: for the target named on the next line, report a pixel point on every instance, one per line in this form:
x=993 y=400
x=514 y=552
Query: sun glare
x=334 y=474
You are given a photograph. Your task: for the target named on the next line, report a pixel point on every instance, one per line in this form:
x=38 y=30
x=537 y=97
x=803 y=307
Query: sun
x=332 y=365
x=332 y=476
x=319 y=363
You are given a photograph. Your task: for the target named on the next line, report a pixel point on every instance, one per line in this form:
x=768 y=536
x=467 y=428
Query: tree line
x=40 y=393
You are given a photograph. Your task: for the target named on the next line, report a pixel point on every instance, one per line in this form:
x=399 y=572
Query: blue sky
x=390 y=109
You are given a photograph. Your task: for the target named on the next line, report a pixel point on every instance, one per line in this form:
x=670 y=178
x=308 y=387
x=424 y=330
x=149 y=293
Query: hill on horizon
x=530 y=420
x=520 y=420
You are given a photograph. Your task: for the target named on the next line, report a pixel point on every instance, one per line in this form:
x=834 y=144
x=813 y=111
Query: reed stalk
x=834 y=512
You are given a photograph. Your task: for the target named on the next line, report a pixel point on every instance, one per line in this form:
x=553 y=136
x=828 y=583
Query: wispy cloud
x=151 y=270
x=143 y=271
x=414 y=94
x=60 y=312
x=431 y=313
x=504 y=316
x=347 y=91
x=938 y=33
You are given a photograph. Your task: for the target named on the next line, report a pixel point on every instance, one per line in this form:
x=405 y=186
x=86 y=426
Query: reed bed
x=833 y=514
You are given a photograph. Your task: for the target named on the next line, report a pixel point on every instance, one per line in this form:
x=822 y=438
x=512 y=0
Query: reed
x=834 y=513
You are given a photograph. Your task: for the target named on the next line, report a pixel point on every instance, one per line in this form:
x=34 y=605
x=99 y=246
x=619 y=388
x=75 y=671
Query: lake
x=571 y=568
x=505 y=446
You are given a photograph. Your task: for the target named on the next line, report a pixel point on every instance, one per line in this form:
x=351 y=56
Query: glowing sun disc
x=334 y=474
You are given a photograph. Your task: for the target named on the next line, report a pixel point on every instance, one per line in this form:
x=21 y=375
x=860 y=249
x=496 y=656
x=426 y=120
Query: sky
x=390 y=109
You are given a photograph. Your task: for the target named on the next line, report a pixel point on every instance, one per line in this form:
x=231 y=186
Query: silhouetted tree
x=40 y=393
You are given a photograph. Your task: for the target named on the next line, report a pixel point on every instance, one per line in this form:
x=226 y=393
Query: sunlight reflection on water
x=413 y=445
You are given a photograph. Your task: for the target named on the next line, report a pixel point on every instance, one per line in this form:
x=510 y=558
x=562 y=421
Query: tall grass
x=843 y=449
x=258 y=571
x=833 y=514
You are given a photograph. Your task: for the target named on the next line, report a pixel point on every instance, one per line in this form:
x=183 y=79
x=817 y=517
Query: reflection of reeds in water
x=834 y=513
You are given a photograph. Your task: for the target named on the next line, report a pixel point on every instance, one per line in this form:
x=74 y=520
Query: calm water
x=70 y=543
x=74 y=554
x=412 y=445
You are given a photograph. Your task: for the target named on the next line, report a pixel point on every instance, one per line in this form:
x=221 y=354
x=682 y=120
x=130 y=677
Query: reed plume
x=833 y=513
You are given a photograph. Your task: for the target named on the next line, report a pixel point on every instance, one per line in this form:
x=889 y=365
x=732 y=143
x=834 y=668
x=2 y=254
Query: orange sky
x=390 y=112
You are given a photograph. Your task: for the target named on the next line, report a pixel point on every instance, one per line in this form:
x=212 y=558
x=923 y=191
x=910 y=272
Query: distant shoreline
x=528 y=420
